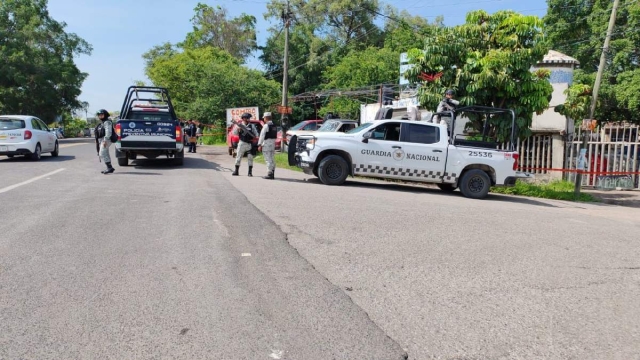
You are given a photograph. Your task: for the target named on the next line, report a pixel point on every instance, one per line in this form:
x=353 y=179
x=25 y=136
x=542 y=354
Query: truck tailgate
x=147 y=134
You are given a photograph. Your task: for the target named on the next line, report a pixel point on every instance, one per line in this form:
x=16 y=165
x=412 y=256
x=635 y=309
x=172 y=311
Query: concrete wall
x=550 y=120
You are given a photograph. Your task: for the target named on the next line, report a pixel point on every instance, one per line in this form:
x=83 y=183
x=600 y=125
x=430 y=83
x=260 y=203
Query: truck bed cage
x=488 y=112
x=133 y=95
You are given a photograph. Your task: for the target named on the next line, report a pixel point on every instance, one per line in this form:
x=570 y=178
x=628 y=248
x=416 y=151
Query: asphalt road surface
x=153 y=262
x=157 y=261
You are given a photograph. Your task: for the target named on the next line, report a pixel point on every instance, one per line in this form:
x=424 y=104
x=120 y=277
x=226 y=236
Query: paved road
x=453 y=278
x=152 y=262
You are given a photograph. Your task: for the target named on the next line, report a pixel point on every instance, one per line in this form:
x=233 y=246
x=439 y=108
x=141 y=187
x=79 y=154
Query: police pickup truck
x=411 y=151
x=148 y=126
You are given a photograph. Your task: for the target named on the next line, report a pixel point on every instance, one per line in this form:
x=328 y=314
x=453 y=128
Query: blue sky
x=121 y=31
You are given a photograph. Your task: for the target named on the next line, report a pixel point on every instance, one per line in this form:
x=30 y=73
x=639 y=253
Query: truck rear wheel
x=123 y=161
x=333 y=170
x=475 y=184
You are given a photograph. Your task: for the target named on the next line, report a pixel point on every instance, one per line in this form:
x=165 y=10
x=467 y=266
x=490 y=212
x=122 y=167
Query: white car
x=26 y=135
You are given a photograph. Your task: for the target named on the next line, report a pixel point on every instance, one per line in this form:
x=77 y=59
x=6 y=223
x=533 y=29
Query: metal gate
x=612 y=158
x=536 y=153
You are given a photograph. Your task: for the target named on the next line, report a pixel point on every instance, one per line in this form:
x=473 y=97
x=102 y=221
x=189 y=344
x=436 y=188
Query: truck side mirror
x=366 y=137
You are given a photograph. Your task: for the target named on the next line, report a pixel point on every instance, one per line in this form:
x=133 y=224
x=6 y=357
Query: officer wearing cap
x=267 y=144
x=244 y=144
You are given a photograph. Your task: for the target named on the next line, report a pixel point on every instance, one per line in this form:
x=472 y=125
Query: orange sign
x=285 y=110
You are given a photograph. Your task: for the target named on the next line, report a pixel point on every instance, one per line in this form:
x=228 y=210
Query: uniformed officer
x=103 y=134
x=244 y=143
x=267 y=144
x=447 y=104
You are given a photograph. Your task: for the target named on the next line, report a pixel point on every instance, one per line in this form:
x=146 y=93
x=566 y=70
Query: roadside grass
x=556 y=190
x=282 y=161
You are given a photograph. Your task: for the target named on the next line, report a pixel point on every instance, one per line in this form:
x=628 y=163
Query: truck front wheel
x=475 y=184
x=333 y=170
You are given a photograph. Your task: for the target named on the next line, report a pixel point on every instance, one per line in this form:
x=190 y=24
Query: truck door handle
x=437 y=150
x=397 y=147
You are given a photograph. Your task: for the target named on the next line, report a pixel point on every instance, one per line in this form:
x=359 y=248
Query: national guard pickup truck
x=415 y=151
x=148 y=126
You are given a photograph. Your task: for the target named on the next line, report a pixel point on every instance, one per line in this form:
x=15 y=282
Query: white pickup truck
x=407 y=150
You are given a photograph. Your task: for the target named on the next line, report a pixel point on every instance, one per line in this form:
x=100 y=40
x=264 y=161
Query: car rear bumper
x=149 y=145
x=22 y=148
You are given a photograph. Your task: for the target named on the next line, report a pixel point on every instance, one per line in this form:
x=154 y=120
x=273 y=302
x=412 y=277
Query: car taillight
x=118 y=131
x=515 y=156
x=178 y=134
x=28 y=135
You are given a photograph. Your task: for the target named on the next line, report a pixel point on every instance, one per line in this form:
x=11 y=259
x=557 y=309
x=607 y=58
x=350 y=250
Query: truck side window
x=388 y=132
x=422 y=134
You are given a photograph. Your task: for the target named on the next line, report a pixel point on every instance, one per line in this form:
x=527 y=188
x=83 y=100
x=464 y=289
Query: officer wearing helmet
x=246 y=133
x=103 y=134
x=447 y=104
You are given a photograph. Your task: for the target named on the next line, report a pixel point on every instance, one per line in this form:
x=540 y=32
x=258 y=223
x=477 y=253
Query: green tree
x=371 y=66
x=487 y=61
x=344 y=21
x=211 y=27
x=403 y=31
x=344 y=107
x=204 y=82
x=578 y=28
x=37 y=73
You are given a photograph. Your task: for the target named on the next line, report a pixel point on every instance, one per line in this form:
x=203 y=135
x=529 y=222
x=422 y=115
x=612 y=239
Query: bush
x=557 y=190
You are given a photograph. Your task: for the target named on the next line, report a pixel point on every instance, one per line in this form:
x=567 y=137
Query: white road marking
x=276 y=354
x=9 y=188
x=246 y=254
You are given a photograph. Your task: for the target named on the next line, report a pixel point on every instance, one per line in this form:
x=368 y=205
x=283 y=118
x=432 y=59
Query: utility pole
x=286 y=16
x=594 y=99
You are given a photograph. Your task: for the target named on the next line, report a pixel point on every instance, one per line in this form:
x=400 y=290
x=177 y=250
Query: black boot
x=250 y=169
x=109 y=170
x=269 y=176
x=235 y=173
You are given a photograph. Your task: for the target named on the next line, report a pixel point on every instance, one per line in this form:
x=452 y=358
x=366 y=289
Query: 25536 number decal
x=481 y=154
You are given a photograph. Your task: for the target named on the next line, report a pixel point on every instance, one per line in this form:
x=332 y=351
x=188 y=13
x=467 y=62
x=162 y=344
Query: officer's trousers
x=243 y=148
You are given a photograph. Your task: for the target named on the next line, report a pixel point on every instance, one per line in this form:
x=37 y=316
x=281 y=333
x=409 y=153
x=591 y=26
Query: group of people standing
x=246 y=132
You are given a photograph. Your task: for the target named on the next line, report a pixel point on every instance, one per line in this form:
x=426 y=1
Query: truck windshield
x=11 y=124
x=359 y=128
x=330 y=126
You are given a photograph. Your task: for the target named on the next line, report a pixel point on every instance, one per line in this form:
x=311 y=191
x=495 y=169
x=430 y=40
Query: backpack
x=114 y=136
x=99 y=132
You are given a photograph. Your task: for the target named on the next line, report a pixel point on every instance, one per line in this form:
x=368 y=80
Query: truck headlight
x=311 y=143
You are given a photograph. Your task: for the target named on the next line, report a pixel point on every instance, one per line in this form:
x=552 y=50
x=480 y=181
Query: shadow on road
x=45 y=158
x=136 y=173
x=419 y=190
x=169 y=164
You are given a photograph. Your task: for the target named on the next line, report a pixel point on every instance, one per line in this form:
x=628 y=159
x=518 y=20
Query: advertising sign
x=235 y=113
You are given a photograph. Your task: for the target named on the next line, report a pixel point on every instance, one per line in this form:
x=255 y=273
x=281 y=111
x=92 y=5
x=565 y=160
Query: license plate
x=3 y=148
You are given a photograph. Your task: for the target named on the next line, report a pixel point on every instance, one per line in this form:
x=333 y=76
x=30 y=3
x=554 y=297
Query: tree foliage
x=211 y=27
x=205 y=81
x=364 y=68
x=578 y=28
x=38 y=75
x=488 y=62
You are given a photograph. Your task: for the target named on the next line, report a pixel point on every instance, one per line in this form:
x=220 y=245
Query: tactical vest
x=246 y=136
x=272 y=133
